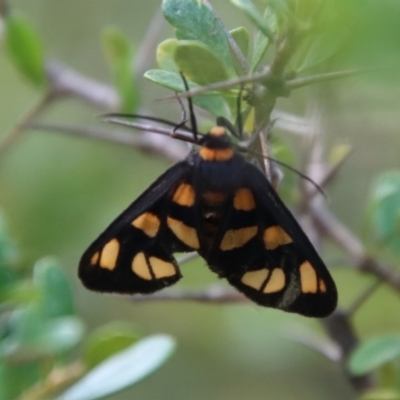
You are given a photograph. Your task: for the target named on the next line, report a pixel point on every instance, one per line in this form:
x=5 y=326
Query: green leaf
x=15 y=379
x=165 y=55
x=60 y=335
x=123 y=369
x=194 y=20
x=381 y=394
x=107 y=341
x=252 y=13
x=198 y=63
x=262 y=42
x=7 y=279
x=374 y=353
x=119 y=54
x=324 y=47
x=384 y=209
x=211 y=102
x=242 y=38
x=8 y=253
x=170 y=80
x=25 y=48
x=20 y=292
x=33 y=338
x=56 y=296
x=25 y=327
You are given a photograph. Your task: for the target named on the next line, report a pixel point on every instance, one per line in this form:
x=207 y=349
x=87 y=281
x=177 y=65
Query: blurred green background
x=57 y=193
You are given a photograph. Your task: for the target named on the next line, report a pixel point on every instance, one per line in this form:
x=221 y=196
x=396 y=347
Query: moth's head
x=216 y=138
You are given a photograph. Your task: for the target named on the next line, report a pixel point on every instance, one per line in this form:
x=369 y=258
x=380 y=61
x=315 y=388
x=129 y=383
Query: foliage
x=292 y=48
x=41 y=330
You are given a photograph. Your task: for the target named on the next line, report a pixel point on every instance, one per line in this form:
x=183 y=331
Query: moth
x=223 y=207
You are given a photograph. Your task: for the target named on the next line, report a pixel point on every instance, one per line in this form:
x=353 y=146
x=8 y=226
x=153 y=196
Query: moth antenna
x=193 y=121
x=108 y=118
x=304 y=176
x=287 y=166
x=182 y=122
x=222 y=121
x=239 y=119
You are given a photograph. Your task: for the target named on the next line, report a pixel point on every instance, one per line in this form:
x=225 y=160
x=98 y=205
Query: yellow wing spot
x=244 y=200
x=95 y=258
x=184 y=233
x=218 y=131
x=161 y=268
x=322 y=286
x=308 y=278
x=276 y=282
x=255 y=279
x=148 y=223
x=109 y=254
x=140 y=268
x=237 y=237
x=208 y=154
x=275 y=236
x=184 y=195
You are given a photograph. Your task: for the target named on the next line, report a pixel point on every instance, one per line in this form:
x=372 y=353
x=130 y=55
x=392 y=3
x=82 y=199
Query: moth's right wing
x=134 y=254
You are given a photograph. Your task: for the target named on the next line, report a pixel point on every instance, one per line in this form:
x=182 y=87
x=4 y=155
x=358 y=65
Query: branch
x=4 y=8
x=68 y=82
x=212 y=294
x=344 y=238
x=145 y=53
x=58 y=379
x=146 y=142
x=341 y=331
x=326 y=77
x=20 y=128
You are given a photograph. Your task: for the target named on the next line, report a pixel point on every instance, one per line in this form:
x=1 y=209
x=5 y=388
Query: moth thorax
x=212 y=206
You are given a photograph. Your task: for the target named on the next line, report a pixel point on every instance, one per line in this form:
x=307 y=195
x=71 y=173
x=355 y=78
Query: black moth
x=218 y=204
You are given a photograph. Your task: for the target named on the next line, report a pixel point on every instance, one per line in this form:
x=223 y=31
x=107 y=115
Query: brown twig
x=65 y=81
x=145 y=53
x=211 y=294
x=4 y=8
x=351 y=244
x=148 y=142
x=363 y=297
x=56 y=380
x=341 y=330
x=329 y=76
x=19 y=129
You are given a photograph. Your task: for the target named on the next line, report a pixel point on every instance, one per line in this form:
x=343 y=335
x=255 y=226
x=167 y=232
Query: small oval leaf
x=242 y=38
x=56 y=295
x=25 y=48
x=211 y=102
x=123 y=369
x=165 y=55
x=61 y=334
x=119 y=54
x=381 y=394
x=194 y=20
x=384 y=210
x=8 y=254
x=374 y=353
x=199 y=63
x=252 y=13
x=108 y=340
